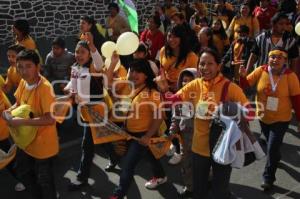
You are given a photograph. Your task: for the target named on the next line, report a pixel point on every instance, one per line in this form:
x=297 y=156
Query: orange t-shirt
x=40 y=99
x=4 y=104
x=13 y=77
x=251 y=22
x=287 y=86
x=27 y=43
x=220 y=43
x=168 y=64
x=199 y=92
x=145 y=106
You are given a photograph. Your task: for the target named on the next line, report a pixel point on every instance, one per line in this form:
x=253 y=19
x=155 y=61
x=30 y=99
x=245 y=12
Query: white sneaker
x=176 y=159
x=171 y=151
x=19 y=187
x=155 y=182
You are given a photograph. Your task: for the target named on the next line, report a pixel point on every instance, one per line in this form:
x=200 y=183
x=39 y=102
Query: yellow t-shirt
x=288 y=86
x=220 y=43
x=144 y=108
x=30 y=44
x=199 y=91
x=13 y=78
x=168 y=64
x=40 y=99
x=27 y=43
x=4 y=104
x=251 y=22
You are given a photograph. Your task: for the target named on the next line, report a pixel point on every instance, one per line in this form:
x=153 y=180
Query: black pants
x=36 y=175
x=220 y=181
x=274 y=134
x=87 y=155
x=134 y=154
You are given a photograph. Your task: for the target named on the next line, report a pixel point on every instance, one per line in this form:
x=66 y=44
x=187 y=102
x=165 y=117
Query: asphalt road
x=245 y=183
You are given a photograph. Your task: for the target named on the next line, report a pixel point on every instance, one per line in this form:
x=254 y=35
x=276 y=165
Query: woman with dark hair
x=205 y=94
x=86 y=88
x=244 y=18
x=176 y=55
x=205 y=39
x=143 y=121
x=220 y=38
x=88 y=24
x=21 y=30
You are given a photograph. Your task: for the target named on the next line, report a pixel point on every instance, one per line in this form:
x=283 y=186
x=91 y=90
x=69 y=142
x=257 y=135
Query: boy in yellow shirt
x=13 y=77
x=34 y=163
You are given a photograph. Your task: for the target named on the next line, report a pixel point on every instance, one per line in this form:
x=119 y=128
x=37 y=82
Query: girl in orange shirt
x=244 y=18
x=143 y=121
x=220 y=38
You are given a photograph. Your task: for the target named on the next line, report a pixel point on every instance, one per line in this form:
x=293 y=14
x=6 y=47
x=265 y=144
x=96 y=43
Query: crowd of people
x=186 y=56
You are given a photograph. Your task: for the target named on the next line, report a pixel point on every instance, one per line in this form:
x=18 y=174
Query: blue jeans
x=274 y=134
x=87 y=155
x=220 y=181
x=134 y=154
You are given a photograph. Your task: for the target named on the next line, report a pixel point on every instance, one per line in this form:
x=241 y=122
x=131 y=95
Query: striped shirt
x=264 y=45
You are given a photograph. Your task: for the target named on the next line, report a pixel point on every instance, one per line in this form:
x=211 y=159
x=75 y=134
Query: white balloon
x=297 y=28
x=107 y=64
x=108 y=48
x=127 y=43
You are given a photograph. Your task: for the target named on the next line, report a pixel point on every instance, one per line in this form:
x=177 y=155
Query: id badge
x=202 y=109
x=272 y=104
x=110 y=32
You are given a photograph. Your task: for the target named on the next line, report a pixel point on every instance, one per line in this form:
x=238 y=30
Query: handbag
x=217 y=127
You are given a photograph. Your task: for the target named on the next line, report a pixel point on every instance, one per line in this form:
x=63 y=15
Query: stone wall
x=51 y=18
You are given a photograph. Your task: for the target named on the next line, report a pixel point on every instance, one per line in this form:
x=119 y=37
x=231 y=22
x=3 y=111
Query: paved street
x=244 y=183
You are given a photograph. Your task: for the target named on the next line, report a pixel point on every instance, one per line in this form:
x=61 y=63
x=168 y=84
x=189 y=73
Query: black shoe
x=76 y=186
x=110 y=167
x=266 y=186
x=185 y=194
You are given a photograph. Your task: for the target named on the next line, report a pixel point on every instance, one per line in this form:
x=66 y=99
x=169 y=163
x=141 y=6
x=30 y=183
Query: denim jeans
x=87 y=147
x=134 y=154
x=274 y=134
x=36 y=175
x=220 y=181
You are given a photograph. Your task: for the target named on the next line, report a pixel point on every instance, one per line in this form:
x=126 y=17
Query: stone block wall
x=52 y=18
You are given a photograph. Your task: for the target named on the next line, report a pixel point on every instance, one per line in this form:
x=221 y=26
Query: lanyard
x=273 y=84
x=132 y=99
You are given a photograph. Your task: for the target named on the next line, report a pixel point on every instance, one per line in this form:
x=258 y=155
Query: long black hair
x=23 y=26
x=143 y=66
x=184 y=46
x=98 y=38
x=85 y=45
x=222 y=31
